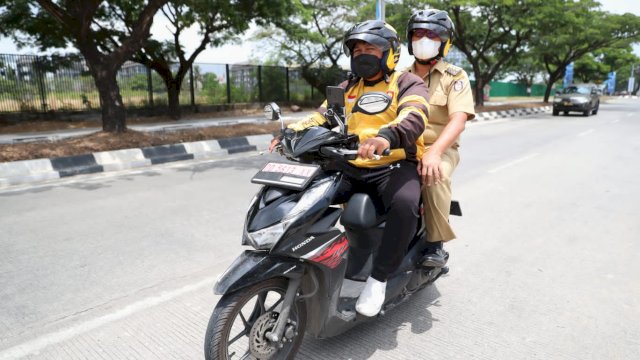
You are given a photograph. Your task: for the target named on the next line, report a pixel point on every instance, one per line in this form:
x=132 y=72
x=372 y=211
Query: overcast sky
x=242 y=53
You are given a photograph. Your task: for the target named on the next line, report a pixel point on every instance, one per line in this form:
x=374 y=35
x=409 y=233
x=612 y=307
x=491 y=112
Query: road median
x=38 y=170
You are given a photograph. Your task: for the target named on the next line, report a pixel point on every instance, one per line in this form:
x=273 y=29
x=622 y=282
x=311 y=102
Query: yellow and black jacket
x=402 y=124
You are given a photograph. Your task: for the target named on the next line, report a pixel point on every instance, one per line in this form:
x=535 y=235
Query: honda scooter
x=304 y=272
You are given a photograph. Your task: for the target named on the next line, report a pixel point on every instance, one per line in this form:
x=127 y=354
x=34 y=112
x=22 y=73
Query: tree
x=489 y=32
x=621 y=60
x=581 y=30
x=526 y=69
x=590 y=69
x=215 y=92
x=85 y=24
x=313 y=38
x=615 y=58
x=218 y=21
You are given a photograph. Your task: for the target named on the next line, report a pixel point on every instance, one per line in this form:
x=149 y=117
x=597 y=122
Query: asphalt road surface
x=547 y=264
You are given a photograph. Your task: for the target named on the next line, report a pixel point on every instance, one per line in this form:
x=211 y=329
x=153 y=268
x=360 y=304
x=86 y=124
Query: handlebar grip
x=385 y=152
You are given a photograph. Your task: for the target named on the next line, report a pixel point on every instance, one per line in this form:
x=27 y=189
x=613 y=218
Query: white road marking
x=586 y=132
x=59 y=336
x=531 y=156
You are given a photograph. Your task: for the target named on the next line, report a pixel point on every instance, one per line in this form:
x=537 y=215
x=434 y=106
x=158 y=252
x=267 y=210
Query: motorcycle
x=304 y=273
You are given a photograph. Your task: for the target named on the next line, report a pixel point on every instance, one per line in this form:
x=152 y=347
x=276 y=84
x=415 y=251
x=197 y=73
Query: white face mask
x=425 y=48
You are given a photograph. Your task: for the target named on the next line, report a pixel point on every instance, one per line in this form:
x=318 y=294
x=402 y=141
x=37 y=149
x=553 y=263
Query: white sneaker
x=371 y=298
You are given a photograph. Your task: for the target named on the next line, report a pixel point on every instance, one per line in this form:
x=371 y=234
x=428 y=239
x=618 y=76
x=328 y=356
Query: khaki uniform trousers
x=437 y=200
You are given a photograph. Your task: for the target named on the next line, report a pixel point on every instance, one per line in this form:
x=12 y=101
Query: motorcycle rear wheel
x=231 y=333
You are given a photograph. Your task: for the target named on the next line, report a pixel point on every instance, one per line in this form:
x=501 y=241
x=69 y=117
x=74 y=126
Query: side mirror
x=335 y=108
x=335 y=97
x=272 y=111
x=372 y=103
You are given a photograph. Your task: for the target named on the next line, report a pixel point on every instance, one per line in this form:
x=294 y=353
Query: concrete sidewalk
x=38 y=170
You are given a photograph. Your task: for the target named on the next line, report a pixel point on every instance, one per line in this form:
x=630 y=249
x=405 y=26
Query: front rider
x=391 y=181
x=430 y=33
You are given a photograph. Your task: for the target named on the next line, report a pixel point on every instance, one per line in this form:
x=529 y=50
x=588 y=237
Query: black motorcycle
x=304 y=274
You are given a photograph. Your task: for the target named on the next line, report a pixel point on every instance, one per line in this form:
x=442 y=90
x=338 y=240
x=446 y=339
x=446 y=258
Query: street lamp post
x=380 y=10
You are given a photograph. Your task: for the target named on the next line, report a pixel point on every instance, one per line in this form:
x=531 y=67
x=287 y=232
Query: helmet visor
x=372 y=39
x=442 y=32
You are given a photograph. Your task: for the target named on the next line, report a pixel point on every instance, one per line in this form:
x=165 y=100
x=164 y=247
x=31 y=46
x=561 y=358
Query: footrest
x=428 y=261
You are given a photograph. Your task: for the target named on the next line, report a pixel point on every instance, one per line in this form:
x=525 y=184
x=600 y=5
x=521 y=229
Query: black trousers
x=394 y=189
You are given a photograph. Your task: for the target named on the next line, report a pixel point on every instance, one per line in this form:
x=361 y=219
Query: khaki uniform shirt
x=449 y=92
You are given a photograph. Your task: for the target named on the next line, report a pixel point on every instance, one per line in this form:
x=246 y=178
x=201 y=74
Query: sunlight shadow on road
x=382 y=333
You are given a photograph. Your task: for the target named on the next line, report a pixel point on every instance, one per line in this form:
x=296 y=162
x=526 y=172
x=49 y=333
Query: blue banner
x=568 y=76
x=611 y=82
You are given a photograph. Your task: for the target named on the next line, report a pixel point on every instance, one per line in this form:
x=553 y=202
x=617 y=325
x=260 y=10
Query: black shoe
x=436 y=258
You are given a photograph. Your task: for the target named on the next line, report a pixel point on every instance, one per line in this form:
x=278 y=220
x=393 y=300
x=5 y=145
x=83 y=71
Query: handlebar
x=352 y=154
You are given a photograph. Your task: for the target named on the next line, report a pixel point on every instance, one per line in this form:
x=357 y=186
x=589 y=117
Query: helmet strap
x=431 y=61
x=372 y=83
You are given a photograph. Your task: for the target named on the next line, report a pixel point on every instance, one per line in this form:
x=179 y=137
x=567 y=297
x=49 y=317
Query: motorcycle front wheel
x=241 y=319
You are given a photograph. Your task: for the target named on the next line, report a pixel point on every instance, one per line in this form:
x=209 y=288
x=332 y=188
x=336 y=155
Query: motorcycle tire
x=237 y=306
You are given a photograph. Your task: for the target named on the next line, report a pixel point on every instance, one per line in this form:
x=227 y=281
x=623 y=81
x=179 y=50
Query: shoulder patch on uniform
x=458 y=85
x=453 y=70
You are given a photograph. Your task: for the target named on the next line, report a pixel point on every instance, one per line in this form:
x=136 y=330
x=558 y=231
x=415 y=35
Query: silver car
x=580 y=98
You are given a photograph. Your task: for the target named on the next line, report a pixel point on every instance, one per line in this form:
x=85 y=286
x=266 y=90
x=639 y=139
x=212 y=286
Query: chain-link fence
x=30 y=83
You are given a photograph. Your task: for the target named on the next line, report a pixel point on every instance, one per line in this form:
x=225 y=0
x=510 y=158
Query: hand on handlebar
x=274 y=143
x=373 y=147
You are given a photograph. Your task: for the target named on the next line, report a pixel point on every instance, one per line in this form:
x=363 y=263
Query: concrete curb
x=27 y=171
x=494 y=115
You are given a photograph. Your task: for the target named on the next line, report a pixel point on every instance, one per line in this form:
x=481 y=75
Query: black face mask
x=365 y=66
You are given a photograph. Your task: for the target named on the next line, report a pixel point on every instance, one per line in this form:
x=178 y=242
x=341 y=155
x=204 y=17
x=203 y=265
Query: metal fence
x=30 y=83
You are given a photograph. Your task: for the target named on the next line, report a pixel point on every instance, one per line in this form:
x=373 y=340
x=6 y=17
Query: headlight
x=578 y=100
x=309 y=198
x=265 y=238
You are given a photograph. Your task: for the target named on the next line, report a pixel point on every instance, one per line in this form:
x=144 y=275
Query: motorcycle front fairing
x=278 y=220
x=278 y=255
x=252 y=267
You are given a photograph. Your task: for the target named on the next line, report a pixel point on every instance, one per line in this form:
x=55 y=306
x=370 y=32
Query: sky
x=238 y=53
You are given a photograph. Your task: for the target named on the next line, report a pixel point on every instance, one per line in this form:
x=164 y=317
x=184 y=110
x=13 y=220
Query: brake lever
x=280 y=149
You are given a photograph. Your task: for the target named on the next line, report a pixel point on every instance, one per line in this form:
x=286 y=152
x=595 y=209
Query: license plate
x=289 y=176
x=567 y=103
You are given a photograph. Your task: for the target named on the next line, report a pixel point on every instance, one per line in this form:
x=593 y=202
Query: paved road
x=120 y=266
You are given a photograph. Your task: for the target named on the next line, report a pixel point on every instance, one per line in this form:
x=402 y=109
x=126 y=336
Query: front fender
x=252 y=267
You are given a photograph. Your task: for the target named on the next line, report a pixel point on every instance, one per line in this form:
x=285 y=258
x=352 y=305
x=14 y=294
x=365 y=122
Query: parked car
x=579 y=98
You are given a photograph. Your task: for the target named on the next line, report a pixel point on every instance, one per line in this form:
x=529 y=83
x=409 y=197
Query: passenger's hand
x=274 y=142
x=371 y=146
x=430 y=168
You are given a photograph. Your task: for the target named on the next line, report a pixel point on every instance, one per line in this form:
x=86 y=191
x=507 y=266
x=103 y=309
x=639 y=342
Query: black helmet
x=380 y=34
x=434 y=20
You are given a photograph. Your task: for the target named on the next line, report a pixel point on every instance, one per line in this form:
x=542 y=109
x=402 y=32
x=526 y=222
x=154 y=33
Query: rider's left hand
x=371 y=146
x=274 y=142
